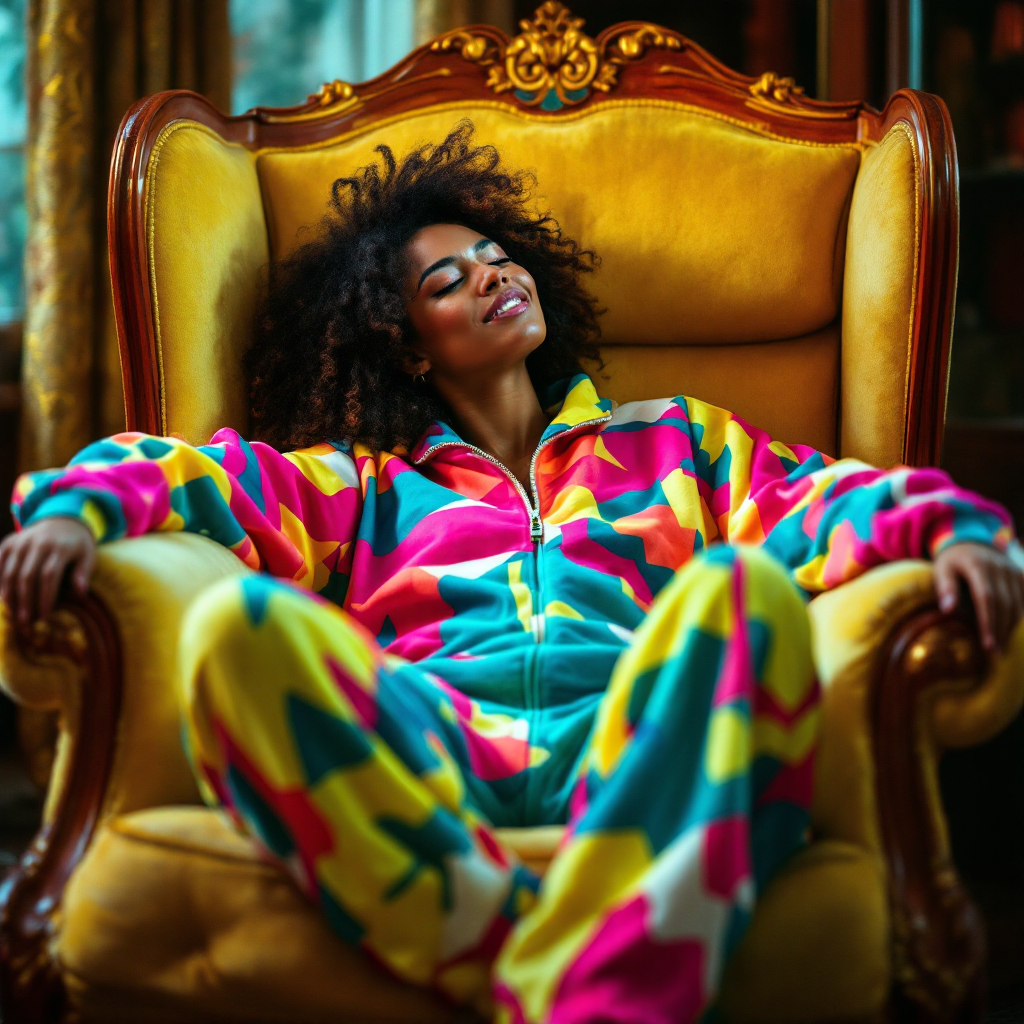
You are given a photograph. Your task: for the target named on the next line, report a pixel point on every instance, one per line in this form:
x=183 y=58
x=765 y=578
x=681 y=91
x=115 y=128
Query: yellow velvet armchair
x=791 y=260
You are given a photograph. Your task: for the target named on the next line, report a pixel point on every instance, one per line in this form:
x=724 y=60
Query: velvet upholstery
x=173 y=912
x=878 y=299
x=713 y=237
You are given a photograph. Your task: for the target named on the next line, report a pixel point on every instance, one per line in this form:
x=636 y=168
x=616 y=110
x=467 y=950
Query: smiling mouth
x=511 y=302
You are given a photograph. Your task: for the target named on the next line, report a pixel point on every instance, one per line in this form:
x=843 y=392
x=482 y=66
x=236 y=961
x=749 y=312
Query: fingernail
x=946 y=602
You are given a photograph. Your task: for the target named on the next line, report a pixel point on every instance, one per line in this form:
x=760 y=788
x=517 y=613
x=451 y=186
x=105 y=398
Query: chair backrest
x=791 y=260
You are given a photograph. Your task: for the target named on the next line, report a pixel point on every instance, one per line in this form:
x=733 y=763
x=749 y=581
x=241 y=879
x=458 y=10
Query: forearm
x=847 y=518
x=129 y=485
x=251 y=499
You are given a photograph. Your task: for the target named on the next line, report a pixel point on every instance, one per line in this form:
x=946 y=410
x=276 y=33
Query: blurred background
x=69 y=69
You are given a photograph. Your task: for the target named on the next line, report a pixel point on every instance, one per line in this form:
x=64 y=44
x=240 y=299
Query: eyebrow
x=448 y=260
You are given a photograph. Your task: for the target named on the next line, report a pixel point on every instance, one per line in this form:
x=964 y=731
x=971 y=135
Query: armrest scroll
x=902 y=682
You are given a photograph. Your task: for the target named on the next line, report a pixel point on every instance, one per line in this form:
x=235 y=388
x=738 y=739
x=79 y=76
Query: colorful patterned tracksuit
x=480 y=657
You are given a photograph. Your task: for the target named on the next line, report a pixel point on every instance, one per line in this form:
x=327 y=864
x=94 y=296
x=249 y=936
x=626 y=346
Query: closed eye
x=447 y=288
x=500 y=262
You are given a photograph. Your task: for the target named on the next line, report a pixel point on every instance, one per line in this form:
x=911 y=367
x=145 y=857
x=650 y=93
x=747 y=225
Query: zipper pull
x=536 y=527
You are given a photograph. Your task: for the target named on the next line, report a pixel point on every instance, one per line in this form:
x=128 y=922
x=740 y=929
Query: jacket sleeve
x=829 y=521
x=292 y=515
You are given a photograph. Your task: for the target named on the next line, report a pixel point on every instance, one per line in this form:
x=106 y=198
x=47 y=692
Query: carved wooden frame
x=939 y=944
x=31 y=988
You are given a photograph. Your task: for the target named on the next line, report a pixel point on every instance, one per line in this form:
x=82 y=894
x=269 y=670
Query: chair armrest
x=142 y=587
x=107 y=664
x=967 y=701
x=902 y=682
x=849 y=627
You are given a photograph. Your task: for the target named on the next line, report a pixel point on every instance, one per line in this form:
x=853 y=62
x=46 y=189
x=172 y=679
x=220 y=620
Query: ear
x=413 y=363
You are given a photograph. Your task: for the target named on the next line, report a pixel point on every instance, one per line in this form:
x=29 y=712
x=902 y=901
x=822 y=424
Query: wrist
x=73 y=506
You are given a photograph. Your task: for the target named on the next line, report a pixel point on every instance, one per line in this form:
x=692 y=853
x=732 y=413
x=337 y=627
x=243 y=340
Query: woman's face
x=473 y=310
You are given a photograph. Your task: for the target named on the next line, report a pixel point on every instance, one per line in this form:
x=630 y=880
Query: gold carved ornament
x=553 y=63
x=333 y=92
x=772 y=88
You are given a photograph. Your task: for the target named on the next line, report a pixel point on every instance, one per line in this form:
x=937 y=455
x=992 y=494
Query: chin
x=528 y=331
x=528 y=341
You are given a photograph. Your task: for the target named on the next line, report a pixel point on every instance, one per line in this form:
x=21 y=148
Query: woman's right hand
x=34 y=561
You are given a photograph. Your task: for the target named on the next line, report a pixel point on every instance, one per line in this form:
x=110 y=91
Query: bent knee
x=764 y=573
x=724 y=562
x=257 y=628
x=226 y=608
x=239 y=622
x=747 y=578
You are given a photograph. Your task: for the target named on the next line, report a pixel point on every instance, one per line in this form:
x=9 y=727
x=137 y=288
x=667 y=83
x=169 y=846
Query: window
x=283 y=50
x=12 y=158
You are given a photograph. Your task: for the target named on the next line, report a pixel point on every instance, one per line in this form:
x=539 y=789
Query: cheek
x=543 y=324
x=438 y=326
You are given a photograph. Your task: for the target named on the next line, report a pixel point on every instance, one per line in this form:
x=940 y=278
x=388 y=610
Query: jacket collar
x=573 y=401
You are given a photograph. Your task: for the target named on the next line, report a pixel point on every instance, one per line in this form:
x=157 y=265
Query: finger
x=1017 y=588
x=51 y=575
x=10 y=572
x=27 y=581
x=947 y=585
x=1004 y=600
x=83 y=569
x=5 y=550
x=983 y=600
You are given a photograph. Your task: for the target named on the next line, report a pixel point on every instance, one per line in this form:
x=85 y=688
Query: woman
x=533 y=607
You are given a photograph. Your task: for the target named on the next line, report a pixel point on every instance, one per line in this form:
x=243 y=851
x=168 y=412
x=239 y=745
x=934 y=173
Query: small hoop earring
x=419 y=378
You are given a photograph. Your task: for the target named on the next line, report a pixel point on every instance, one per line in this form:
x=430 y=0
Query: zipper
x=532 y=503
x=569 y=432
x=532 y=510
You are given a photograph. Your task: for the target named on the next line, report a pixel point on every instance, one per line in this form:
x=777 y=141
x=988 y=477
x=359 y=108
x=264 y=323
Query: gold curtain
x=436 y=16
x=89 y=60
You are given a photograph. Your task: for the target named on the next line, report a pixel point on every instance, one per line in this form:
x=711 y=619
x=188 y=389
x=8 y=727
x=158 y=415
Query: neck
x=501 y=415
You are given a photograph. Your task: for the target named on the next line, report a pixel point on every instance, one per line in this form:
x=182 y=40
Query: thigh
x=275 y=676
x=335 y=758
x=694 y=788
x=719 y=673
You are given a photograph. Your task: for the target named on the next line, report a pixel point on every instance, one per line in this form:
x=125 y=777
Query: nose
x=491 y=278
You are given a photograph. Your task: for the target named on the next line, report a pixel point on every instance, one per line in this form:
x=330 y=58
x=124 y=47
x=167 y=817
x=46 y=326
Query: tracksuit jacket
x=521 y=599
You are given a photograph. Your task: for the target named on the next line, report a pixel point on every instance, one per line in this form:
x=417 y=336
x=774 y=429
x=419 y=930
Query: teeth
x=507 y=305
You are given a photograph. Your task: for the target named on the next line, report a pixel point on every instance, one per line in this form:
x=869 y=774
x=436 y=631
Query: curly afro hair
x=327 y=362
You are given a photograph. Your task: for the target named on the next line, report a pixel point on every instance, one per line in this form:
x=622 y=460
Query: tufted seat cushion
x=173 y=916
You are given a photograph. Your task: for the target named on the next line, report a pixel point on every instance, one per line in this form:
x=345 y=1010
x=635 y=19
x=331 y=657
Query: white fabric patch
x=625 y=635
x=641 y=412
x=342 y=464
x=461 y=503
x=471 y=569
x=680 y=905
x=479 y=889
x=552 y=531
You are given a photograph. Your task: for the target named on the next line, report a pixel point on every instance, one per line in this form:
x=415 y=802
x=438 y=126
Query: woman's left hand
x=995 y=583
